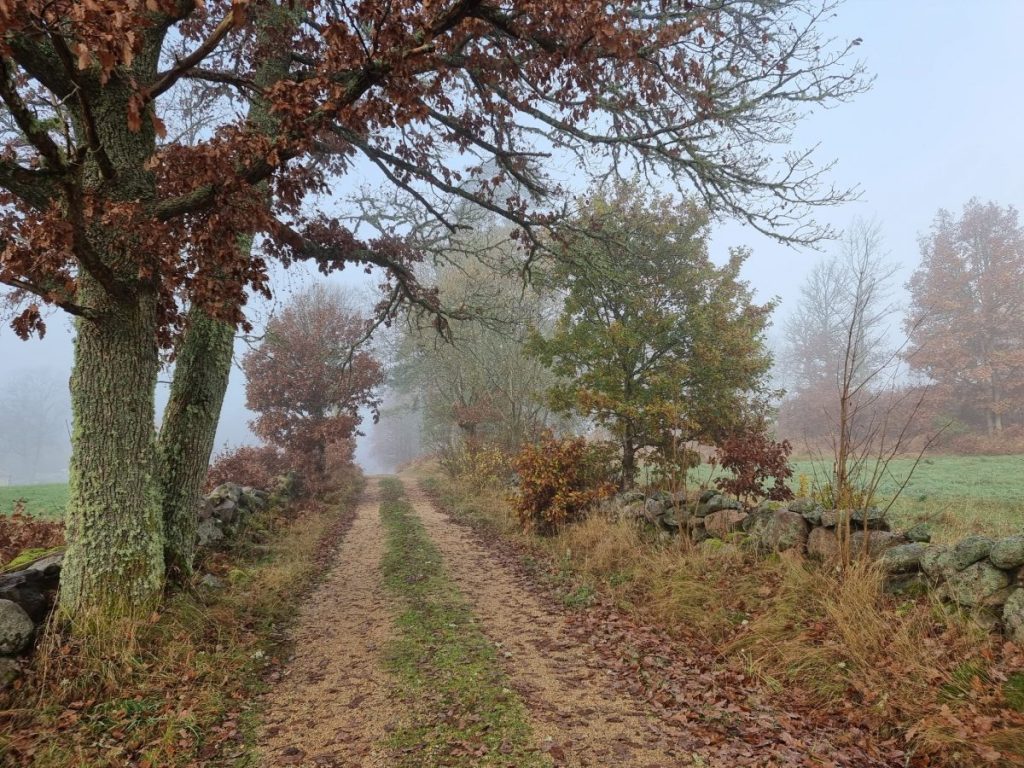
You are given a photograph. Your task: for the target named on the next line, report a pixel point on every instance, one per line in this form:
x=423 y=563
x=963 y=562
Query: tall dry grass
x=172 y=689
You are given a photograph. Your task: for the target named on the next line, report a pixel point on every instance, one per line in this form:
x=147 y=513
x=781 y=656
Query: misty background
x=939 y=126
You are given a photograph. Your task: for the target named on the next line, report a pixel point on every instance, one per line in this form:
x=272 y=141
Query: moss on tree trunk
x=188 y=432
x=114 y=564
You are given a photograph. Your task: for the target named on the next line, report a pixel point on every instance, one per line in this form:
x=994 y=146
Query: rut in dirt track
x=333 y=704
x=577 y=714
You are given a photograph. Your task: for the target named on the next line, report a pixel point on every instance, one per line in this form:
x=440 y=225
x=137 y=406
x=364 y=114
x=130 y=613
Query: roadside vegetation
x=179 y=689
x=908 y=668
x=461 y=711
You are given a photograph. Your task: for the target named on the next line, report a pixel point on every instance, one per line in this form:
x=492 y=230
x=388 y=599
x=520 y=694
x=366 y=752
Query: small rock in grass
x=922 y=532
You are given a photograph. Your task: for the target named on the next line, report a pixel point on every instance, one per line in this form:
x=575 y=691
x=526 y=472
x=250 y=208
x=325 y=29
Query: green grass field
x=44 y=501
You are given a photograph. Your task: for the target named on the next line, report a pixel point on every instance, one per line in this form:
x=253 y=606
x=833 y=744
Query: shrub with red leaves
x=247 y=465
x=558 y=479
x=753 y=458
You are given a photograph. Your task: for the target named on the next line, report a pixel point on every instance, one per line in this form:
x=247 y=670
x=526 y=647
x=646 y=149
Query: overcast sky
x=941 y=124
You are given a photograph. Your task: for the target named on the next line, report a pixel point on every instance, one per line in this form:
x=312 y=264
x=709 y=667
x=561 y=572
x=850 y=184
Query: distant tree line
x=955 y=350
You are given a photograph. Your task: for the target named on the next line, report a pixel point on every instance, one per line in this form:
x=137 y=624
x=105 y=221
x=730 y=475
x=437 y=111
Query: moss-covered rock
x=1013 y=616
x=26 y=557
x=905 y=558
x=969 y=551
x=979 y=584
x=922 y=532
x=1008 y=553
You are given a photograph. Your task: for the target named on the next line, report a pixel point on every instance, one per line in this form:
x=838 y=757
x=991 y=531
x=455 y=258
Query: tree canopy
x=966 y=317
x=654 y=342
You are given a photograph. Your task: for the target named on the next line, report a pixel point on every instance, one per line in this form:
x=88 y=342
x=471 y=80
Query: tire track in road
x=333 y=705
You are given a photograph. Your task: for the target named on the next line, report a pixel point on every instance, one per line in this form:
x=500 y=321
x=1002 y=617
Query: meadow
x=43 y=501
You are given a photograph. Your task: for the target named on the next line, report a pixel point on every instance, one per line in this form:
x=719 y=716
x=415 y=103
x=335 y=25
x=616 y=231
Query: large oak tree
x=155 y=243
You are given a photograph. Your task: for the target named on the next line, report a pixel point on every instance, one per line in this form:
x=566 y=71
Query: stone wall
x=977 y=572
x=27 y=593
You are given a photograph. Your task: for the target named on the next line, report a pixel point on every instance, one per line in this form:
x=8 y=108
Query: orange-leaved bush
x=558 y=479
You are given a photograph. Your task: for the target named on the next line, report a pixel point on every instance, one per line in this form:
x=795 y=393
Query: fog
x=938 y=127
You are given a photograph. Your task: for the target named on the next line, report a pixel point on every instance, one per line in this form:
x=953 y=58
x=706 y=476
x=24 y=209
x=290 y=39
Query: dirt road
x=339 y=706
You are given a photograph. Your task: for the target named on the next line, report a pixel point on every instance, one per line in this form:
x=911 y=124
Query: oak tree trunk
x=114 y=564
x=188 y=432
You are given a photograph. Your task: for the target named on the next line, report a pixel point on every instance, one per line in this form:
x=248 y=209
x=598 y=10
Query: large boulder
x=823 y=544
x=778 y=531
x=873 y=543
x=969 y=551
x=720 y=524
x=905 y=558
x=16 y=628
x=1013 y=616
x=1008 y=553
x=980 y=584
x=937 y=563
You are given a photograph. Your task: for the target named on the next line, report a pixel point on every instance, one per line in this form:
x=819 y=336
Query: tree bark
x=188 y=433
x=628 y=460
x=114 y=564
